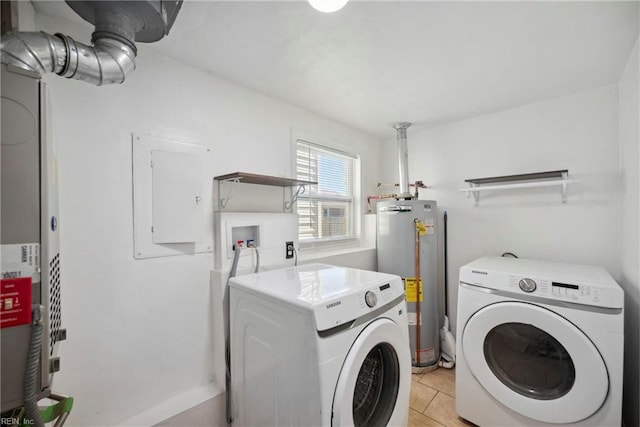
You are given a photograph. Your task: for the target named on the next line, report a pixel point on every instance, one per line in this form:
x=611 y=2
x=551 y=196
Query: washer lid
x=311 y=284
x=535 y=362
x=336 y=295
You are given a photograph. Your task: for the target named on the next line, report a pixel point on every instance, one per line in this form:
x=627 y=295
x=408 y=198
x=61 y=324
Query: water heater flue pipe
x=118 y=24
x=403 y=159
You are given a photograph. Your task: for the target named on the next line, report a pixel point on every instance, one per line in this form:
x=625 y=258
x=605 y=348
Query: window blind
x=326 y=210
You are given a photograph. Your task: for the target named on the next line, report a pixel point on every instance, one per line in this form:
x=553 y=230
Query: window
x=327 y=210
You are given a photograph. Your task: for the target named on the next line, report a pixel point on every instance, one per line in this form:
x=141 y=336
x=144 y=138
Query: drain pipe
x=111 y=57
x=447 y=340
x=403 y=159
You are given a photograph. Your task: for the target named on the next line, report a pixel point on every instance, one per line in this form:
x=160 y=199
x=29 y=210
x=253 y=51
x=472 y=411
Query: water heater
x=30 y=262
x=407 y=246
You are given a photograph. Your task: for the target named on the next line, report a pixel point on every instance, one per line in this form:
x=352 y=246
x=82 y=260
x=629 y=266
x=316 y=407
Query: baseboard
x=173 y=406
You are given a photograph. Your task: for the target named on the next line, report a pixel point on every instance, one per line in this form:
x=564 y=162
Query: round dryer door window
x=529 y=361
x=373 y=386
x=535 y=362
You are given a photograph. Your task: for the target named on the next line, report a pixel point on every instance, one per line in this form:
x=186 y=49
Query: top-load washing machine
x=539 y=344
x=319 y=345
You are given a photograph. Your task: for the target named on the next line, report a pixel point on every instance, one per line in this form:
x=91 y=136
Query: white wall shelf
x=528 y=180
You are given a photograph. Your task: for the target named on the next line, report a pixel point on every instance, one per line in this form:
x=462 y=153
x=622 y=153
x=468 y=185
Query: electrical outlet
x=289 y=250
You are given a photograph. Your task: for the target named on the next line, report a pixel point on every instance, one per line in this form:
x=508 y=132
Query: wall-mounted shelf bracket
x=475 y=194
x=222 y=203
x=534 y=180
x=252 y=178
x=294 y=198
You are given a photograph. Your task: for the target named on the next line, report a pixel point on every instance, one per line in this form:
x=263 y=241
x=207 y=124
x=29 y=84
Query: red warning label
x=15 y=302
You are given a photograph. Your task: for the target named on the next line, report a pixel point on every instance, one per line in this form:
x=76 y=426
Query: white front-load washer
x=538 y=344
x=319 y=345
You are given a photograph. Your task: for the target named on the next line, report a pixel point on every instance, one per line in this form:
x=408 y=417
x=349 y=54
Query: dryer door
x=535 y=362
x=374 y=382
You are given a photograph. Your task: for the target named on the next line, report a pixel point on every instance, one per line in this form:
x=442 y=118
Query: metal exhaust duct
x=118 y=25
x=403 y=159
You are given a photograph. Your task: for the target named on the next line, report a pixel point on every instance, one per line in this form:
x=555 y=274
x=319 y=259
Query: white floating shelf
x=558 y=178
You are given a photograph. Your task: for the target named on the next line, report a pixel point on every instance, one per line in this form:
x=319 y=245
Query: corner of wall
x=26 y=16
x=629 y=151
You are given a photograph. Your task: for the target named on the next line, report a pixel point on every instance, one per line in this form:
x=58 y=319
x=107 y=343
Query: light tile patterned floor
x=432 y=401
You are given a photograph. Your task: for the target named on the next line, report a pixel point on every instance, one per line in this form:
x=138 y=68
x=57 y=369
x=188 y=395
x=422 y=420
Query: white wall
x=139 y=331
x=577 y=132
x=629 y=134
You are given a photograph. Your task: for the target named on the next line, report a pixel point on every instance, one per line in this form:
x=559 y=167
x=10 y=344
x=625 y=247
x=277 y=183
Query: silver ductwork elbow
x=118 y=25
x=108 y=61
x=403 y=159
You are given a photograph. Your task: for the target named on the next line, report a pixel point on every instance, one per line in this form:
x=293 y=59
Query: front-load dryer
x=319 y=345
x=538 y=344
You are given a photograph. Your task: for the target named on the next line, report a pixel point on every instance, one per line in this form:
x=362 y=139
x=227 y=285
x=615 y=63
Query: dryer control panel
x=579 y=284
x=579 y=293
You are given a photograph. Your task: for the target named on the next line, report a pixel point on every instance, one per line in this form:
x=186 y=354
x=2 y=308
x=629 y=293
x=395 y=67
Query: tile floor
x=433 y=401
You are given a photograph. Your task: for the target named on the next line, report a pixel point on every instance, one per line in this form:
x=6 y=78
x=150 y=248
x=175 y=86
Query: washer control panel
x=527 y=285
x=362 y=301
x=370 y=299
x=379 y=295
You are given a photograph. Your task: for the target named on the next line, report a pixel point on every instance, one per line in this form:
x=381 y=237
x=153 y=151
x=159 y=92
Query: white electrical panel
x=170 y=209
x=176 y=197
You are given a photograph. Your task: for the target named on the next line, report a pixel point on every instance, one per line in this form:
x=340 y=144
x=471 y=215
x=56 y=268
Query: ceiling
x=377 y=62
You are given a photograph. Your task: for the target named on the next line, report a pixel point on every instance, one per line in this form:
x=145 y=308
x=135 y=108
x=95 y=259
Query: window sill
x=353 y=256
x=314 y=253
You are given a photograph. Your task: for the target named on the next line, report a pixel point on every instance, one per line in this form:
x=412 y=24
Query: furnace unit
x=30 y=297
